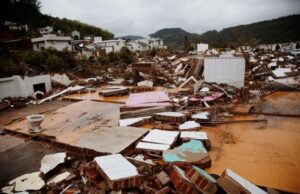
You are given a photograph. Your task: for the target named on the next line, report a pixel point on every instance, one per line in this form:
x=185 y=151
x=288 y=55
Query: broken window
x=39 y=87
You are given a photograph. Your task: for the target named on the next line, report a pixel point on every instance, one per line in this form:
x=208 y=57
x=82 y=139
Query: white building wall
x=202 y=47
x=15 y=86
x=97 y=39
x=136 y=46
x=8 y=87
x=152 y=43
x=111 y=46
x=229 y=70
x=58 y=45
x=38 y=46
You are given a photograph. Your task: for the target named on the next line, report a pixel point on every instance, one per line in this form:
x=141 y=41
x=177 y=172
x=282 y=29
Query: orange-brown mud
x=267 y=154
x=280 y=102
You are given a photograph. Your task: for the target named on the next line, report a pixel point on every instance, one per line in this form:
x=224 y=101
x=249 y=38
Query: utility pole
x=186 y=45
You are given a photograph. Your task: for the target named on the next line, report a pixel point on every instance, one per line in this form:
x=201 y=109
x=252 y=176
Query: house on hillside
x=46 y=30
x=15 y=26
x=52 y=41
x=97 y=39
x=145 y=44
x=114 y=45
x=244 y=48
x=137 y=46
x=75 y=35
x=153 y=43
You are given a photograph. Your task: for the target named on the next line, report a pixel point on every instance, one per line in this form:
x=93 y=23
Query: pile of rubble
x=170 y=158
x=173 y=155
x=274 y=68
x=63 y=173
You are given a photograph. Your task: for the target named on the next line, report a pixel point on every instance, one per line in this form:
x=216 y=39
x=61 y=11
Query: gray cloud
x=142 y=17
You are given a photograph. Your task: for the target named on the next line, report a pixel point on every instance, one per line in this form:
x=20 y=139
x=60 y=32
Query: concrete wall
x=229 y=70
x=111 y=46
x=58 y=45
x=135 y=46
x=152 y=43
x=202 y=47
x=38 y=46
x=15 y=86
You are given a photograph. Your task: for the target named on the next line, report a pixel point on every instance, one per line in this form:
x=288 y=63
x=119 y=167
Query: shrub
x=126 y=55
x=55 y=63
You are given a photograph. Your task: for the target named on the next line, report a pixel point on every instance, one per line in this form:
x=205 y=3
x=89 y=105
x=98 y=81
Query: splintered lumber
x=234 y=121
x=243 y=109
x=142 y=112
x=114 y=91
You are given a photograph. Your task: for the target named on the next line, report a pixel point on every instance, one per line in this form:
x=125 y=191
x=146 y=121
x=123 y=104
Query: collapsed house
x=15 y=86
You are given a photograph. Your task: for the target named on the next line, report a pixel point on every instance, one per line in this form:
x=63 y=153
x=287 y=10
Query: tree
x=54 y=63
x=126 y=55
x=20 y=11
x=277 y=48
x=253 y=42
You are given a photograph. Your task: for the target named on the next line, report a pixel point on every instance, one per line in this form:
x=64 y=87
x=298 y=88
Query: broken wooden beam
x=234 y=121
x=142 y=112
x=114 y=92
x=243 y=109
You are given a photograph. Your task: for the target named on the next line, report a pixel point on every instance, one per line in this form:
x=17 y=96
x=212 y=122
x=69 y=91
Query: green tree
x=54 y=63
x=126 y=55
x=253 y=42
x=113 y=57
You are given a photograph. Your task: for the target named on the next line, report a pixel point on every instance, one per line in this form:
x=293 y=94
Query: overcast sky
x=142 y=17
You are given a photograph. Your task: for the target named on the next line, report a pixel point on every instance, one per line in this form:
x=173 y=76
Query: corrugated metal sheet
x=229 y=70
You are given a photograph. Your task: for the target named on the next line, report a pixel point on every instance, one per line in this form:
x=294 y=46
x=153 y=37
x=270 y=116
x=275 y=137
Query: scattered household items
x=34 y=122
